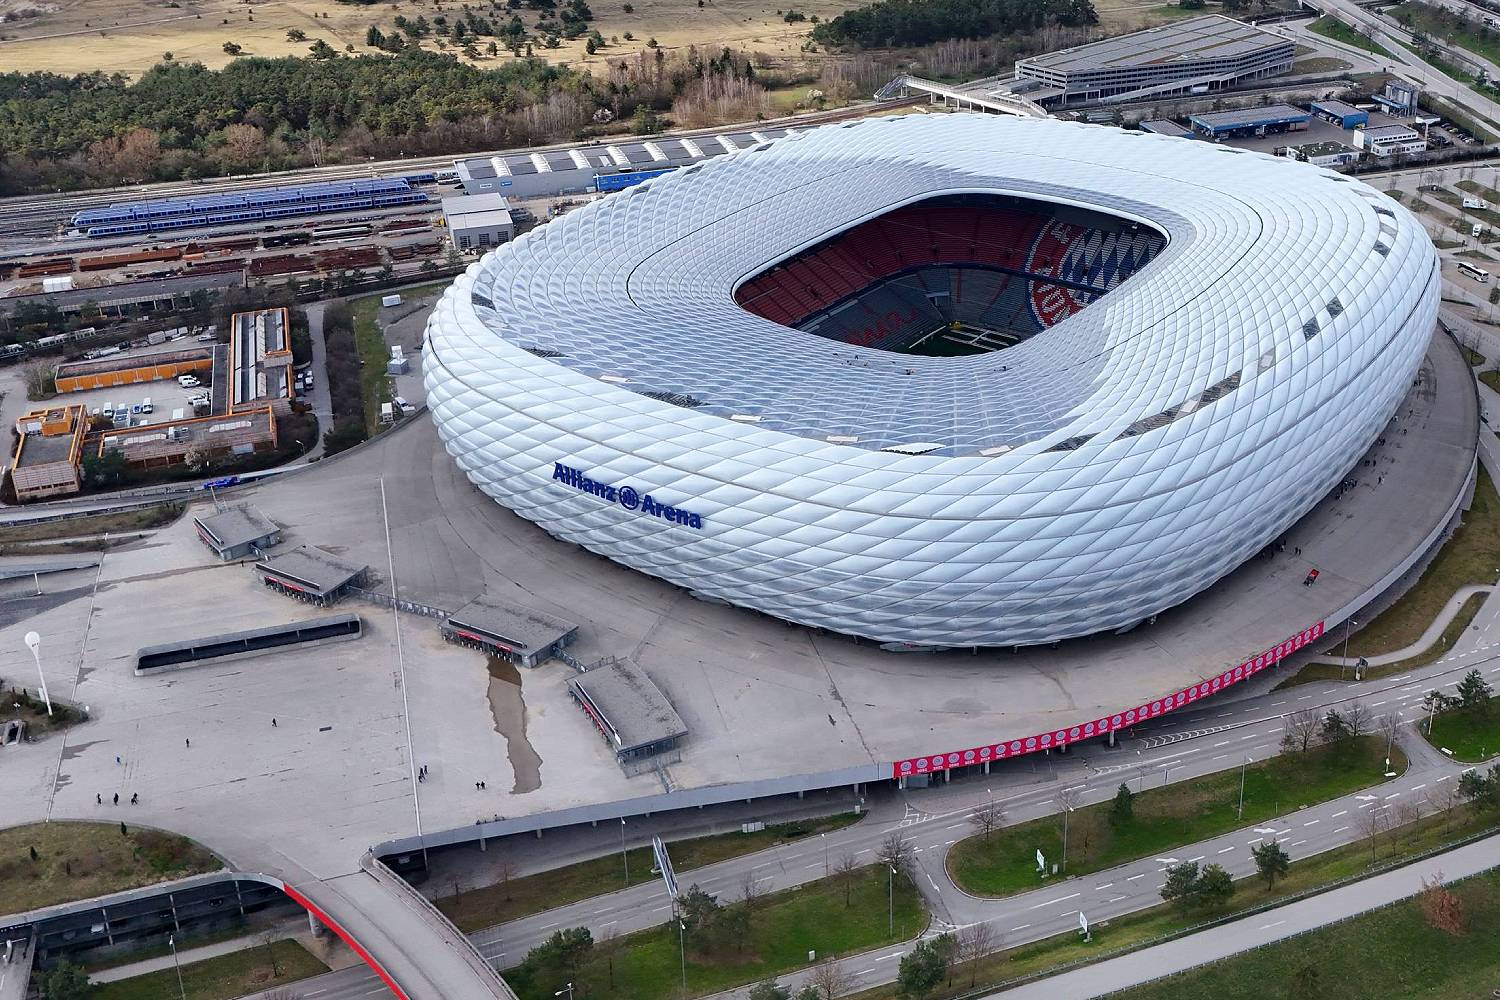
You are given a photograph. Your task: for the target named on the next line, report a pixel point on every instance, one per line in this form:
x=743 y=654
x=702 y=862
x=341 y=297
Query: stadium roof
x=1213 y=36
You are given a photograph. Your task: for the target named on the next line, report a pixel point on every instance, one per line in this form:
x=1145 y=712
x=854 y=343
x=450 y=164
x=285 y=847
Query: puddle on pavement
x=509 y=711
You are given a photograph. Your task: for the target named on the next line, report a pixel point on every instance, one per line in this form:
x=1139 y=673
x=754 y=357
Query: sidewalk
x=1237 y=936
x=186 y=956
x=1428 y=638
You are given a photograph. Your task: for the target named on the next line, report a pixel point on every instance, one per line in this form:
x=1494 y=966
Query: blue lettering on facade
x=626 y=496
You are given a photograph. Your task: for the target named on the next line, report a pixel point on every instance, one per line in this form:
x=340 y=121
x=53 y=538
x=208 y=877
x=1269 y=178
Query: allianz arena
x=950 y=380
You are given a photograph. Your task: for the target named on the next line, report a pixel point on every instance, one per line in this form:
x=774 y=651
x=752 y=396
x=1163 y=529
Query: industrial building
x=1195 y=56
x=1251 y=121
x=237 y=532
x=596 y=167
x=1341 y=114
x=1390 y=140
x=629 y=710
x=104 y=373
x=1165 y=126
x=260 y=360
x=524 y=636
x=478 y=221
x=48 y=456
x=1322 y=154
x=1399 y=98
x=173 y=442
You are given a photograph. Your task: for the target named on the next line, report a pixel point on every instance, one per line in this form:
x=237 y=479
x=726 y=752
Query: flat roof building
x=1323 y=154
x=1341 y=114
x=629 y=710
x=175 y=441
x=260 y=360
x=1251 y=121
x=311 y=574
x=1198 y=55
x=103 y=373
x=236 y=532
x=1389 y=140
x=524 y=636
x=478 y=221
x=49 y=454
x=1165 y=126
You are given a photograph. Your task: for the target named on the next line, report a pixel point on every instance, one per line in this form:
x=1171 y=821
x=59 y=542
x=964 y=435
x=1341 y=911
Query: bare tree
x=1085 y=829
x=1359 y=719
x=897 y=852
x=268 y=939
x=1444 y=797
x=1372 y=823
x=1408 y=812
x=608 y=944
x=1299 y=730
x=831 y=979
x=975 y=942
x=749 y=891
x=1389 y=726
x=41 y=380
x=1441 y=909
x=988 y=818
x=844 y=874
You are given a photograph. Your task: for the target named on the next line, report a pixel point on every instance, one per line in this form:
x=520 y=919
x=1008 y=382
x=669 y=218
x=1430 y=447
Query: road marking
x=1216 y=746
x=1252 y=736
x=947 y=842
x=1392 y=796
x=1418 y=788
x=1312 y=822
x=1341 y=812
x=1445 y=777
x=1021 y=928
x=1101 y=888
x=1342 y=829
x=1298 y=843
x=1377 y=704
x=1281 y=702
x=1305 y=697
x=864 y=972
x=1198 y=858
x=954 y=826
x=887 y=958
x=1132 y=878
x=1226 y=850
x=1266 y=927
x=1220 y=757
x=1059 y=899
x=545 y=926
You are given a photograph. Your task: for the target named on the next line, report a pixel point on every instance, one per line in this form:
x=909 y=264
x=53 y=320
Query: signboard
x=1041 y=862
x=1001 y=750
x=664 y=866
x=627 y=497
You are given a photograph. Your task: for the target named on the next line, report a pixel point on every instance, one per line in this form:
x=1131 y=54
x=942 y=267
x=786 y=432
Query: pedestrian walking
x=135 y=797
x=117 y=798
x=187 y=743
x=482 y=786
x=273 y=722
x=98 y=799
x=117 y=758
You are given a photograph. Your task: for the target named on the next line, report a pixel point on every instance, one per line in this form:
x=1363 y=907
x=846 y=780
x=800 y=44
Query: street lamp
x=34 y=643
x=1349 y=623
x=1241 y=813
x=172 y=943
x=682 y=951
x=567 y=989
x=824 y=836
x=623 y=853
x=890 y=901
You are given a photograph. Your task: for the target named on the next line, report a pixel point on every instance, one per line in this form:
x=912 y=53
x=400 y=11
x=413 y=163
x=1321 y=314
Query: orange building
x=105 y=373
x=49 y=455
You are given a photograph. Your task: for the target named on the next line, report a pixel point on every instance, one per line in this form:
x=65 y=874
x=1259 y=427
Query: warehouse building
x=478 y=221
x=1341 y=114
x=1195 y=56
x=49 y=453
x=260 y=361
x=1390 y=140
x=198 y=438
x=311 y=574
x=1322 y=154
x=1251 y=121
x=631 y=713
x=104 y=373
x=1165 y=126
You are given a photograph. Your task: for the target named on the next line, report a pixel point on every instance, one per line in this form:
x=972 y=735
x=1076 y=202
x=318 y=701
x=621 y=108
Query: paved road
x=1205 y=740
x=1242 y=935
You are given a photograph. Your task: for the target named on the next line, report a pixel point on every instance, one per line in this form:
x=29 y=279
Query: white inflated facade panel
x=543 y=353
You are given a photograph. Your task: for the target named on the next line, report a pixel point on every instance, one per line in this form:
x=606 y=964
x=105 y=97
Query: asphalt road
x=1211 y=738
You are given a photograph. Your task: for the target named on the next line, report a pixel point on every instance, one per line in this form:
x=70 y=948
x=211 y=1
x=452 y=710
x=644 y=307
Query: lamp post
x=824 y=837
x=624 y=855
x=1390 y=739
x=1241 y=813
x=566 y=989
x=1349 y=623
x=172 y=943
x=34 y=643
x=682 y=951
x=1066 y=809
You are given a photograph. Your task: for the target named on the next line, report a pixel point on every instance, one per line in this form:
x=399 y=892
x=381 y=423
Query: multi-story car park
x=1194 y=56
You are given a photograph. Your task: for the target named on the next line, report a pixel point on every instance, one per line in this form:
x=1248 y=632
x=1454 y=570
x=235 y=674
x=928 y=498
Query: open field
x=1337 y=30
x=1472 y=737
x=130 y=36
x=1149 y=926
x=519 y=897
x=221 y=978
x=1165 y=817
x=1389 y=952
x=783 y=928
x=83 y=860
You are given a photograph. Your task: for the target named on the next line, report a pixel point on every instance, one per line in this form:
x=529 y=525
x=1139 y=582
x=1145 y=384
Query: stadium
x=939 y=381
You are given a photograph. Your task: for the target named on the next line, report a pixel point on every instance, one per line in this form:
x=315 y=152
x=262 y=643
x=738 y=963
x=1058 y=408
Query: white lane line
x=1059 y=899
x=1021 y=928
x=1312 y=822
x=887 y=958
x=1223 y=743
x=1266 y=927
x=1418 y=788
x=1341 y=812
x=1298 y=843
x=1275 y=703
x=1342 y=829
x=1392 y=796
x=1305 y=697
x=1377 y=704
x=1198 y=858
x=815 y=864
x=948 y=842
x=1132 y=878
x=1225 y=850
x=1101 y=888
x=1252 y=736
x=864 y=972
x=1220 y=757
x=954 y=826
x=546 y=926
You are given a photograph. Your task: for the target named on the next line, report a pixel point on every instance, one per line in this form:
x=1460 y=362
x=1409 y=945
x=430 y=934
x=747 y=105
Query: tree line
x=921 y=22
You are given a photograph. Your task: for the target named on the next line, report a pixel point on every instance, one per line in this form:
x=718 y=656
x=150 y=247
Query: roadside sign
x=664 y=866
x=1041 y=862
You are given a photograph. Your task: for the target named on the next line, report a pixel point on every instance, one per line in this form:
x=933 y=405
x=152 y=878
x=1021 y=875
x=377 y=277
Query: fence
x=410 y=607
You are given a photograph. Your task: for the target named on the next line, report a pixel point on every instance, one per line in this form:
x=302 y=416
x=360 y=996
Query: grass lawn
x=220 y=978
x=1470 y=556
x=1491 y=379
x=1330 y=27
x=82 y=860
x=1319 y=64
x=1166 y=817
x=1332 y=672
x=1471 y=737
x=1474 y=358
x=1389 y=952
x=519 y=897
x=369 y=340
x=784 y=928
x=1146 y=927
x=96 y=524
x=1453 y=30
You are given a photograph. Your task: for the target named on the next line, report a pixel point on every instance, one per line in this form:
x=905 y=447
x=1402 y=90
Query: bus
x=1479 y=274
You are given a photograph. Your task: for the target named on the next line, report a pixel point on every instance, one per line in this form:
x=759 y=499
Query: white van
x=1476 y=231
x=146 y=406
x=188 y=381
x=406 y=408
x=386 y=414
